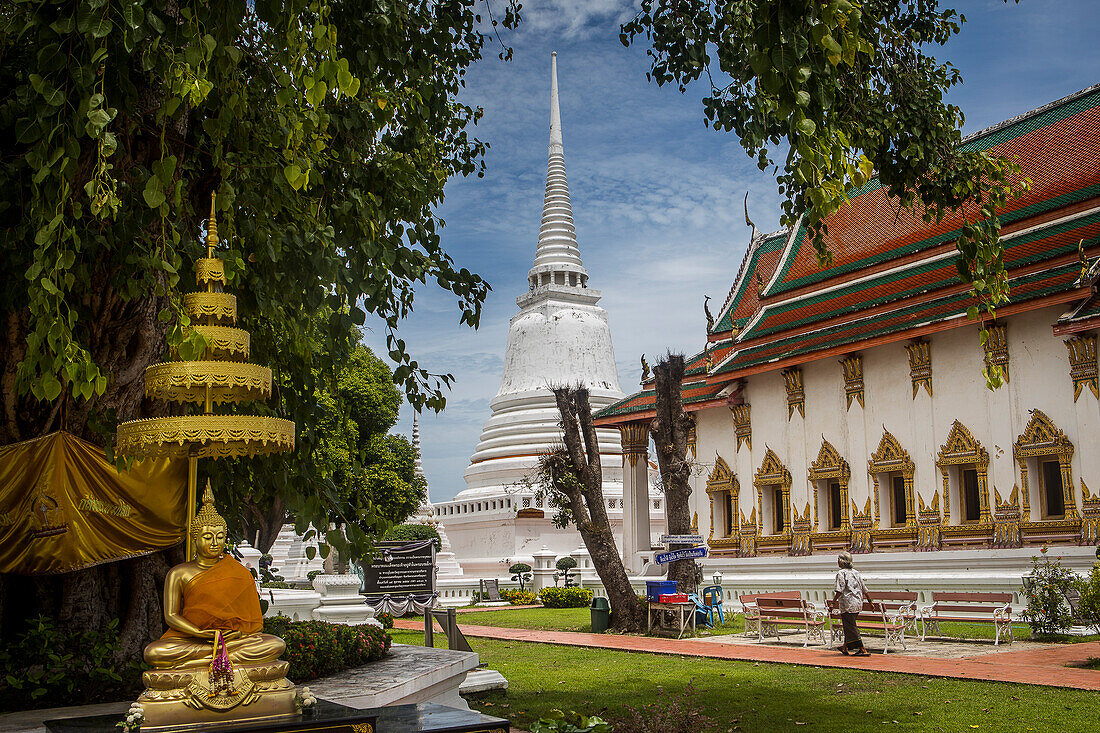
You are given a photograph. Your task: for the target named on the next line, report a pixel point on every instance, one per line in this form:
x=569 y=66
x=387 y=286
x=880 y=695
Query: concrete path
x=1043 y=666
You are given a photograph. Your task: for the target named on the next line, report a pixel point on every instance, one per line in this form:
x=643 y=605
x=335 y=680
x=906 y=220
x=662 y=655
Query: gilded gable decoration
x=742 y=425
x=890 y=457
x=853 y=379
x=830 y=465
x=1042 y=438
x=930 y=522
x=996 y=348
x=796 y=395
x=693 y=437
x=920 y=365
x=1082 y=364
x=962 y=449
x=724 y=491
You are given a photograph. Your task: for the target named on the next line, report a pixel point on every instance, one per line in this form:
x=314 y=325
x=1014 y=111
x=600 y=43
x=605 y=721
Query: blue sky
x=656 y=196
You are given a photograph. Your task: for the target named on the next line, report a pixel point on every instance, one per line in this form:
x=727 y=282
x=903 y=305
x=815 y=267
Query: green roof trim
x=919 y=268
x=983 y=140
x=797 y=344
x=769 y=244
x=1022 y=213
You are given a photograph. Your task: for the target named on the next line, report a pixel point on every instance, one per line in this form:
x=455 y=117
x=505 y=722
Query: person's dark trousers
x=852 y=640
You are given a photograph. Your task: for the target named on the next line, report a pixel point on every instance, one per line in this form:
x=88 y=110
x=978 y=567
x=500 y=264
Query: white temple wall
x=714 y=437
x=1039 y=379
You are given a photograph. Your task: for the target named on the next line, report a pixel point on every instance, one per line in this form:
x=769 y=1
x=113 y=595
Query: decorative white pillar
x=542 y=570
x=637 y=537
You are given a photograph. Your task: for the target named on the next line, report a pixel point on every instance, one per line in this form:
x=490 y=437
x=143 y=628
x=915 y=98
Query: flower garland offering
x=135 y=716
x=305 y=699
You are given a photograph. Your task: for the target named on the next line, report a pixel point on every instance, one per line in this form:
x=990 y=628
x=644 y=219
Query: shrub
x=564 y=565
x=1047 y=611
x=519 y=597
x=313 y=574
x=521 y=573
x=412 y=533
x=46 y=663
x=565 y=597
x=668 y=713
x=386 y=619
x=275 y=584
x=318 y=648
x=1090 y=597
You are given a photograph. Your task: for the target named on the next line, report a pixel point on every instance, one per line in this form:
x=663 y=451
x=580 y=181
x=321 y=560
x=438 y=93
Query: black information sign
x=401 y=569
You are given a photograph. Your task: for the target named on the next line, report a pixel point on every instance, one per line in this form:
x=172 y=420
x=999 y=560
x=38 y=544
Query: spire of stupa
x=557 y=259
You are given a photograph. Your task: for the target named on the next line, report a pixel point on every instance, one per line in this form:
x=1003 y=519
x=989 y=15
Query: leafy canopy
x=849 y=90
x=328 y=129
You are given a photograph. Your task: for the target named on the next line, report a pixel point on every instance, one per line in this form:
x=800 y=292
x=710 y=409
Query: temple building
x=560 y=336
x=844 y=406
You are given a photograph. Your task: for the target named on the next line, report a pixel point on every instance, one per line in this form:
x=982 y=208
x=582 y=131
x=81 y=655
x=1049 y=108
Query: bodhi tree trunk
x=575 y=472
x=671 y=429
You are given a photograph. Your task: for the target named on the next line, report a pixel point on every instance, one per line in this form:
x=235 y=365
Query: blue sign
x=663 y=557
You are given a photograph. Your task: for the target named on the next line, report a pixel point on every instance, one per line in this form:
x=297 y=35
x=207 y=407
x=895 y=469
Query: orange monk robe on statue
x=221 y=598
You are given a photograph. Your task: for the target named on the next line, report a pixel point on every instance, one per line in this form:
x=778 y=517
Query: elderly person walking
x=849 y=593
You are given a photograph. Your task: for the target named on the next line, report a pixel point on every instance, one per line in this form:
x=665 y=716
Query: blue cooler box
x=654 y=589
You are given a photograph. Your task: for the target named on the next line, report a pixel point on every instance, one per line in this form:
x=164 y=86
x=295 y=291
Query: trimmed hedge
x=565 y=597
x=318 y=648
x=412 y=533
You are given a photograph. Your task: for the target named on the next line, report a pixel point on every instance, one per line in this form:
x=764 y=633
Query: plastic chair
x=712 y=599
x=702 y=612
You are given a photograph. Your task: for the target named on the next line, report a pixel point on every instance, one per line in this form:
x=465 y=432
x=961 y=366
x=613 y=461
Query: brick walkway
x=1038 y=667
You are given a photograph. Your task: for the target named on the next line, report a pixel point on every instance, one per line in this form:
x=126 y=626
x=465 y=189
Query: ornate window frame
x=773 y=473
x=962 y=449
x=1042 y=438
x=721 y=482
x=831 y=465
x=890 y=457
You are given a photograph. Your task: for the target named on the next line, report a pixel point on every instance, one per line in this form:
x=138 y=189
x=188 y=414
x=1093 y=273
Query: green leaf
x=154 y=192
x=133 y=15
x=51 y=388
x=806 y=126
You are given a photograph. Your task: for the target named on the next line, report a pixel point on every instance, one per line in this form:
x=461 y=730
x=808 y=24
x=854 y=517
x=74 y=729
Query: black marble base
x=327 y=717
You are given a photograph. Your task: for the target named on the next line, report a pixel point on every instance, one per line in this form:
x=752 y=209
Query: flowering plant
x=1045 y=590
x=135 y=716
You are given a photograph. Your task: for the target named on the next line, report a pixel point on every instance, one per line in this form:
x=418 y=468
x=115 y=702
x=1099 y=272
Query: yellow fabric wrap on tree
x=63 y=506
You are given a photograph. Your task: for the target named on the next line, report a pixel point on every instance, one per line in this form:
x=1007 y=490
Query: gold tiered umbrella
x=215 y=379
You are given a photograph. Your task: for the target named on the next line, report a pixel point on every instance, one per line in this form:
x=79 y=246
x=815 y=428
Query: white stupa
x=559 y=337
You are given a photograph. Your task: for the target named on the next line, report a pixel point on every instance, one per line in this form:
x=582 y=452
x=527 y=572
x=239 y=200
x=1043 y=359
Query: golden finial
x=211 y=228
x=207 y=516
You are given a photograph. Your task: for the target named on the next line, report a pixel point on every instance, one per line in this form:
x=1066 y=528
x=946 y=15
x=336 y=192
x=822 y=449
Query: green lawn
x=763 y=697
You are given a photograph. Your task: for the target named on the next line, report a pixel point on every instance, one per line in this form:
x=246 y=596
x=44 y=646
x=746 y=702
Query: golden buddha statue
x=212 y=610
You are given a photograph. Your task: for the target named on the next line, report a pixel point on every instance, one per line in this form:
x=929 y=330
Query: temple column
x=636 y=528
